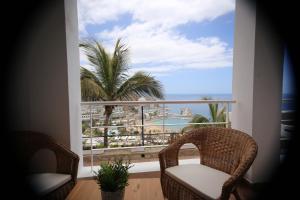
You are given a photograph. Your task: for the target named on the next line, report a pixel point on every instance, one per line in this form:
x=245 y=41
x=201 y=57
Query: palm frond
x=104 y=70
x=140 y=84
x=89 y=90
x=221 y=115
x=198 y=118
x=213 y=109
x=91 y=87
x=119 y=63
x=111 y=73
x=99 y=59
x=91 y=52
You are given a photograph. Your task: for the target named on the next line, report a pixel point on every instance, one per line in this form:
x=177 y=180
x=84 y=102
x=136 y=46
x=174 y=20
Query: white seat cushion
x=205 y=181
x=44 y=183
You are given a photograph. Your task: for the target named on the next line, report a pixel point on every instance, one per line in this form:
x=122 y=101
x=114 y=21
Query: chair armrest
x=67 y=161
x=168 y=157
x=239 y=172
x=162 y=160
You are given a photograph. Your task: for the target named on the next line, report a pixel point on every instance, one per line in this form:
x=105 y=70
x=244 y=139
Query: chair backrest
x=221 y=148
x=32 y=148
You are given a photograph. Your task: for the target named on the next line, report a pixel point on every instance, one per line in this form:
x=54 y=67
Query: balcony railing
x=136 y=126
x=288 y=122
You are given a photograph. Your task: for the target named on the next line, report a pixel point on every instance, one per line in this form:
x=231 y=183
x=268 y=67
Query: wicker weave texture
x=224 y=149
x=29 y=142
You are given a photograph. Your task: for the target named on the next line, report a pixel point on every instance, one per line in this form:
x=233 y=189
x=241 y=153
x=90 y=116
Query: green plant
x=217 y=114
x=85 y=126
x=113 y=176
x=122 y=130
x=113 y=145
x=99 y=146
x=97 y=132
x=110 y=80
x=86 y=148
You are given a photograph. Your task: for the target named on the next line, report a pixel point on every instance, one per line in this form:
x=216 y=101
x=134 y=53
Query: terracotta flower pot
x=118 y=195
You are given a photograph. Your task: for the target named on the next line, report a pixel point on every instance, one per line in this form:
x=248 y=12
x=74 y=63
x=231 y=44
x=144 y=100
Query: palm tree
x=216 y=115
x=110 y=81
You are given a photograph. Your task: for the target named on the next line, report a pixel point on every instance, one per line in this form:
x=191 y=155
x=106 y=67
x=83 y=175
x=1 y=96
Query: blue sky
x=288 y=75
x=187 y=46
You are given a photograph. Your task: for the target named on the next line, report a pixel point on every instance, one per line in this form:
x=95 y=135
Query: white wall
x=257 y=86
x=43 y=71
x=73 y=77
x=243 y=70
x=268 y=76
x=45 y=93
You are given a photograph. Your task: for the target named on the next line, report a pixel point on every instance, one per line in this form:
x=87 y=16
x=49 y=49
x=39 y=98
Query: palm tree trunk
x=108 y=112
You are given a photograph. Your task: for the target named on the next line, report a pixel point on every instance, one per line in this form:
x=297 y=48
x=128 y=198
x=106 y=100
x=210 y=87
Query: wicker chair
x=224 y=153
x=46 y=184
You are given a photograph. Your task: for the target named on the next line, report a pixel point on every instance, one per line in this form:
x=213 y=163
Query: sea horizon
x=203 y=108
x=225 y=93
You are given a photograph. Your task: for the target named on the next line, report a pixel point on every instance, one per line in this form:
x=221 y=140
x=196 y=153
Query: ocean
x=195 y=108
x=202 y=108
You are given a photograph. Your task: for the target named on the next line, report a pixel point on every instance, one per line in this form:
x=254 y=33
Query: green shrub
x=99 y=146
x=122 y=130
x=85 y=126
x=97 y=133
x=86 y=148
x=113 y=176
x=113 y=145
x=136 y=132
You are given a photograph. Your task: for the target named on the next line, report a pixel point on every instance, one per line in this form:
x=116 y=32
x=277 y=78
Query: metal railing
x=288 y=122
x=150 y=123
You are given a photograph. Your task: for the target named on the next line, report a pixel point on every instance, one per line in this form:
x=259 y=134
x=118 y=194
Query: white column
x=257 y=86
x=71 y=20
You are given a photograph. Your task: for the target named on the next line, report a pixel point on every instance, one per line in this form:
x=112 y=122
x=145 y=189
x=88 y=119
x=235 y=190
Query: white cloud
x=167 y=12
x=171 y=13
x=100 y=11
x=150 y=44
x=153 y=70
x=151 y=36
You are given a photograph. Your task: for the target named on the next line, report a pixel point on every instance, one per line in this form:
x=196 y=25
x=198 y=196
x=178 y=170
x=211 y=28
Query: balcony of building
x=45 y=96
x=139 y=130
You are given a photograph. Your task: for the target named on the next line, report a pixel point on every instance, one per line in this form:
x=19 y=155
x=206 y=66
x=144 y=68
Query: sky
x=185 y=44
x=288 y=81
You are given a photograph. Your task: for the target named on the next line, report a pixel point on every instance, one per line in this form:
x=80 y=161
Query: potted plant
x=112 y=178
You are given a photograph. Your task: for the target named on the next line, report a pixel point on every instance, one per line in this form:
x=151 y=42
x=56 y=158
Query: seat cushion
x=205 y=181
x=44 y=183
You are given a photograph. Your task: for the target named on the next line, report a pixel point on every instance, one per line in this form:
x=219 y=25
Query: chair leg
x=236 y=195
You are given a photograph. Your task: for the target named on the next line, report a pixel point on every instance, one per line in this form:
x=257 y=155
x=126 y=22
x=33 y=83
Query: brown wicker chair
x=27 y=144
x=227 y=151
